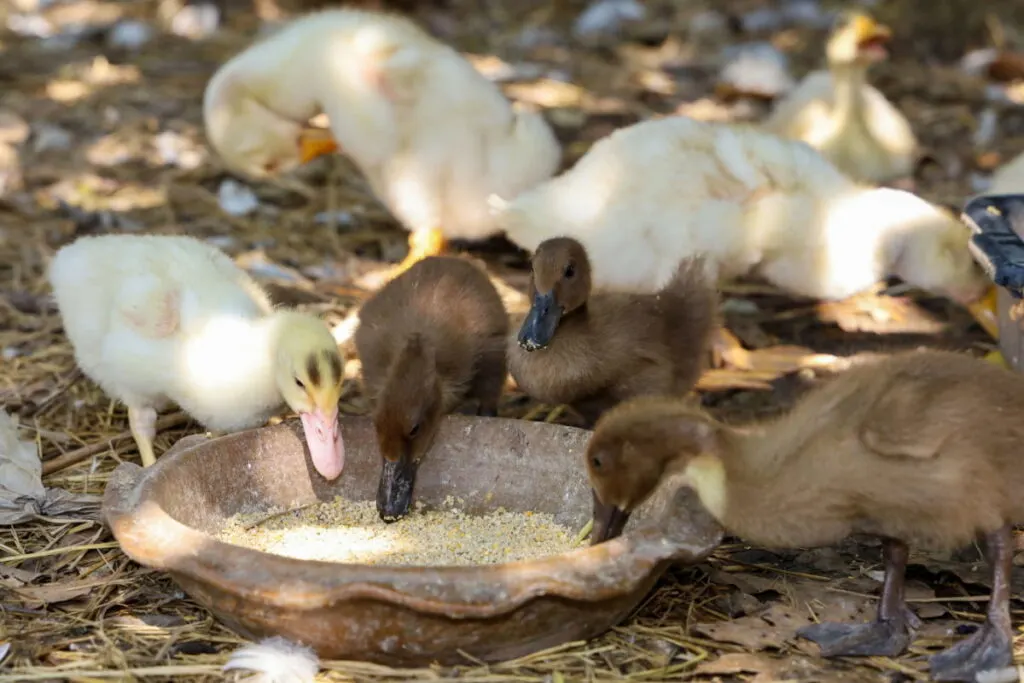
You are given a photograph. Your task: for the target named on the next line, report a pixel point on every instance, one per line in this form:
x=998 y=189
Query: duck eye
x=299 y=384
x=570 y=270
x=596 y=462
x=414 y=431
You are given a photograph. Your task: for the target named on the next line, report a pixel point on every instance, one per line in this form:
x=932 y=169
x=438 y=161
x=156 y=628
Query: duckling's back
x=922 y=446
x=124 y=299
x=449 y=301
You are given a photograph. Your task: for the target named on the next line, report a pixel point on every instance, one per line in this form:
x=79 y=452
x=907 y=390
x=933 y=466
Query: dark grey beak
x=394 y=492
x=539 y=327
x=609 y=521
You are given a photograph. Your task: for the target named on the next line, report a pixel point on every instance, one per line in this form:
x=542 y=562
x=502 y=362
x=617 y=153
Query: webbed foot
x=991 y=646
x=986 y=649
x=891 y=631
x=882 y=638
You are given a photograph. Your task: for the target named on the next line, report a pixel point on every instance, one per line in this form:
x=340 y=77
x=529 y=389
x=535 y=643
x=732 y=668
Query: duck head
x=559 y=284
x=635 y=444
x=308 y=373
x=251 y=137
x=857 y=39
x=407 y=417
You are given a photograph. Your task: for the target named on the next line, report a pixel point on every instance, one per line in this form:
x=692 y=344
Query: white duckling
x=839 y=113
x=156 y=319
x=652 y=194
x=432 y=135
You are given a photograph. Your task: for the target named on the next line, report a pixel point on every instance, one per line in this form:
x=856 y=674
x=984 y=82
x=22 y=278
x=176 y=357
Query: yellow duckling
x=845 y=118
x=157 y=319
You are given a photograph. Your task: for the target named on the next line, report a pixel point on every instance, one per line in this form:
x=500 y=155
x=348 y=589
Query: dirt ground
x=95 y=138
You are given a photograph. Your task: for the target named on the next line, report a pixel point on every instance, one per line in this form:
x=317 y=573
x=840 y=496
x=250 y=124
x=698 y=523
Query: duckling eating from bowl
x=918 y=448
x=159 y=319
x=593 y=349
x=427 y=340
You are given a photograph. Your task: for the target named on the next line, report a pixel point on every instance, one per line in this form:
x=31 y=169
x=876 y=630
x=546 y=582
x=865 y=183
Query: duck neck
x=286 y=86
x=849 y=82
x=731 y=483
x=273 y=329
x=580 y=313
x=716 y=475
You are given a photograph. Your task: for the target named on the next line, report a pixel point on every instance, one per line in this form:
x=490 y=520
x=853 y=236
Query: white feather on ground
x=275 y=660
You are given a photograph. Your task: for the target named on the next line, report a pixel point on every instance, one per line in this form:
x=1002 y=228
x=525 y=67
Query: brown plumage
x=593 y=350
x=919 y=448
x=428 y=340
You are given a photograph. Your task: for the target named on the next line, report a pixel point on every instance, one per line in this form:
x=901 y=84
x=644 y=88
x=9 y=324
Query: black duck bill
x=609 y=521
x=394 y=492
x=541 y=322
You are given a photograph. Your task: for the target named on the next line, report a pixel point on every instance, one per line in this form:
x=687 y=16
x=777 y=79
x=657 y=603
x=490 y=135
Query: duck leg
x=891 y=631
x=991 y=646
x=423 y=242
x=142 y=423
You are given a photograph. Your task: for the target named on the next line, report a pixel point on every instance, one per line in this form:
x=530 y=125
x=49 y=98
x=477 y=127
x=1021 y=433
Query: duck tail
x=691 y=302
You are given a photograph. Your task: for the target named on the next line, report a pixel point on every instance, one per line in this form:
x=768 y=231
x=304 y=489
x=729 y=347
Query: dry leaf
x=777 y=625
x=737 y=662
x=48 y=594
x=772 y=628
x=22 y=576
x=879 y=315
x=749 y=583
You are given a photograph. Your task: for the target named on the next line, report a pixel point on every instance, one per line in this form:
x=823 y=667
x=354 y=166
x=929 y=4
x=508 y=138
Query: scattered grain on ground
x=351 y=531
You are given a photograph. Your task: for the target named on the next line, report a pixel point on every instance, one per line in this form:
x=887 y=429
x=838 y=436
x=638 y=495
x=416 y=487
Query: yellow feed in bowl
x=351 y=531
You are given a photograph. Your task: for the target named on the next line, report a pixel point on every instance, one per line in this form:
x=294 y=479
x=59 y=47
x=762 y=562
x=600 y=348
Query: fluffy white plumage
x=431 y=134
x=653 y=193
x=872 y=141
x=840 y=114
x=156 y=320
x=275 y=660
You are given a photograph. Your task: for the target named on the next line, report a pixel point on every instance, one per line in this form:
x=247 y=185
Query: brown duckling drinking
x=919 y=448
x=592 y=350
x=428 y=340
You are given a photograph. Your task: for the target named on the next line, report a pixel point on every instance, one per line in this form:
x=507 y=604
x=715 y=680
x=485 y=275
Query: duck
x=156 y=320
x=839 y=113
x=431 y=135
x=592 y=349
x=752 y=203
x=918 y=448
x=428 y=340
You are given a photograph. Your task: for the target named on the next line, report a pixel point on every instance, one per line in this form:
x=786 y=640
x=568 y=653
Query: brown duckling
x=428 y=340
x=593 y=350
x=918 y=448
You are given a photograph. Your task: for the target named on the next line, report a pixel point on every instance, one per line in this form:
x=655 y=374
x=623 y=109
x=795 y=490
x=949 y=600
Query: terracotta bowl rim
x=148 y=534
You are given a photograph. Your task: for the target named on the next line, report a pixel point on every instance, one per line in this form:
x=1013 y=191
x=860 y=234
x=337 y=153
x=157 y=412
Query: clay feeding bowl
x=164 y=518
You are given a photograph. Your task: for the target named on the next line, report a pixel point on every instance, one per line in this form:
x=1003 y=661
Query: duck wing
x=906 y=421
x=150 y=306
